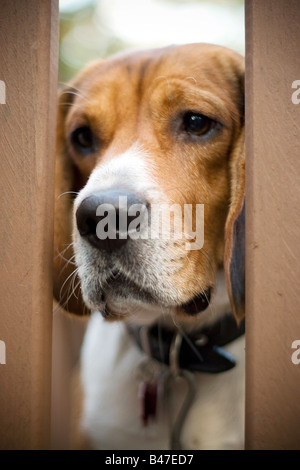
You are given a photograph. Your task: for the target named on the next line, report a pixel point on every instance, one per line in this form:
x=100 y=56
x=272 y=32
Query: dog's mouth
x=121 y=287
x=198 y=304
x=122 y=296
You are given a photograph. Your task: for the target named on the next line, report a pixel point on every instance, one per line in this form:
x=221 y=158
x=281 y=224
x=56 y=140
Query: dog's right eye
x=83 y=140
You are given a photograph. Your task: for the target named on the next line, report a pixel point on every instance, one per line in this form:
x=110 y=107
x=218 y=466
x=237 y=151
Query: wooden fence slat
x=28 y=68
x=272 y=224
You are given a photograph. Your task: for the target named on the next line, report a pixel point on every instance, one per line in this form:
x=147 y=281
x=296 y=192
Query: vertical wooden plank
x=28 y=68
x=273 y=224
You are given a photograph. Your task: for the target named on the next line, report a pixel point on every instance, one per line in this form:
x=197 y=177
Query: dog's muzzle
x=107 y=220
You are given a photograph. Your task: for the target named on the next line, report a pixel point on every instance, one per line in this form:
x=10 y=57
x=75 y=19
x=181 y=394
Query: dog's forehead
x=208 y=65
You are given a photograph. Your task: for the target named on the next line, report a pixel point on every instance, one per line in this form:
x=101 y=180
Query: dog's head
x=137 y=134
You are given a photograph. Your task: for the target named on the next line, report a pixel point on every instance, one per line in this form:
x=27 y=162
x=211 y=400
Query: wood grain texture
x=273 y=224
x=28 y=58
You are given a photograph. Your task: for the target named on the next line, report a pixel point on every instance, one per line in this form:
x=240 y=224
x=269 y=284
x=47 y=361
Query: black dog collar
x=200 y=351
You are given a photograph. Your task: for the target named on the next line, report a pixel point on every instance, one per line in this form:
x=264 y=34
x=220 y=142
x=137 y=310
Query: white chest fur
x=110 y=376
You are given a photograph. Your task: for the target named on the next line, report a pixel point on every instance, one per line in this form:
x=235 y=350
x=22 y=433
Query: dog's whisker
x=71 y=289
x=60 y=253
x=67 y=193
x=74 y=272
x=57 y=308
x=75 y=287
x=68 y=261
x=191 y=345
x=67 y=247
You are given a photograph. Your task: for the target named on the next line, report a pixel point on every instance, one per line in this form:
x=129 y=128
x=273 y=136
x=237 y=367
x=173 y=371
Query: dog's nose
x=107 y=219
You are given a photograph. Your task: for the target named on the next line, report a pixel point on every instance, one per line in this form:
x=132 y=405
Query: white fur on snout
x=131 y=171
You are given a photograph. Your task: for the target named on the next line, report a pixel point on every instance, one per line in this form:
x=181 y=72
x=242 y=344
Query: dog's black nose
x=107 y=219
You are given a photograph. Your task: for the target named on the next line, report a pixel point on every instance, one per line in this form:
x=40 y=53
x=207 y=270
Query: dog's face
x=153 y=129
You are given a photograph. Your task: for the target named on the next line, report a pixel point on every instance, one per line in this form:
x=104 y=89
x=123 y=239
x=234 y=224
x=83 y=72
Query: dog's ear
x=68 y=182
x=234 y=259
x=65 y=282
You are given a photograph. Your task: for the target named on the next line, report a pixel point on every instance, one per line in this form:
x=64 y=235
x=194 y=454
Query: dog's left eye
x=197 y=124
x=83 y=140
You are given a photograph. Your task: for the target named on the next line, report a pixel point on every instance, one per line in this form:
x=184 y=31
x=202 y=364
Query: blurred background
x=91 y=29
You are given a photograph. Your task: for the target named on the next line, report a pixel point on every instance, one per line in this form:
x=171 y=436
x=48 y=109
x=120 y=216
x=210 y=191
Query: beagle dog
x=162 y=363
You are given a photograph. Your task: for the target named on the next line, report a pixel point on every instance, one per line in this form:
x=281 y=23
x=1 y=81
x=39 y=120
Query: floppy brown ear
x=234 y=259
x=66 y=283
x=68 y=182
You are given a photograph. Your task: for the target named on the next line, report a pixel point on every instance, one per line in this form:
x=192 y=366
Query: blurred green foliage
x=89 y=28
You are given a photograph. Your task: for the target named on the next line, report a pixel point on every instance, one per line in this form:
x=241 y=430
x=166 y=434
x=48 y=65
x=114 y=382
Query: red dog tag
x=148 y=401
